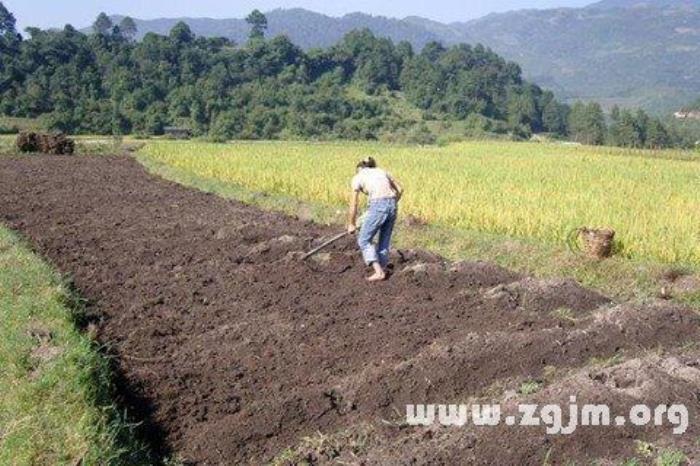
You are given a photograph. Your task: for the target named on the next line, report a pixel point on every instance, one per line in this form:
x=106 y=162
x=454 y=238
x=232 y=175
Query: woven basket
x=597 y=243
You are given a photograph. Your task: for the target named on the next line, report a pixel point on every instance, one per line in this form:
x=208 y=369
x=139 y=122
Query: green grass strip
x=56 y=393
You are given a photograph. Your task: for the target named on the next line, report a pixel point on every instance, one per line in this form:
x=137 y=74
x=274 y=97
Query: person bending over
x=384 y=193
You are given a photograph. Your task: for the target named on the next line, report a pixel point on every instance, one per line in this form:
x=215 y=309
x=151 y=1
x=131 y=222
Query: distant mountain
x=646 y=57
x=626 y=4
x=306 y=28
x=628 y=52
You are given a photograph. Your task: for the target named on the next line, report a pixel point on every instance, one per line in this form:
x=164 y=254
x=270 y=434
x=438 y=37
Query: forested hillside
x=364 y=87
x=635 y=53
x=360 y=88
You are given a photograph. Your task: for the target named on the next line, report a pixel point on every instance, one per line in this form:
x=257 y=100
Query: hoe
x=325 y=245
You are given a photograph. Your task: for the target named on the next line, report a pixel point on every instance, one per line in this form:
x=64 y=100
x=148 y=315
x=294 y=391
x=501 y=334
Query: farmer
x=384 y=193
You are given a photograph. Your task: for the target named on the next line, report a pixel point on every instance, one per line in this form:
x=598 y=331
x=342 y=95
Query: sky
x=81 y=13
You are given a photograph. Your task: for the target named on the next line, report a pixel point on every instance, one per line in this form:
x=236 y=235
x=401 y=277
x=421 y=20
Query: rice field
x=525 y=190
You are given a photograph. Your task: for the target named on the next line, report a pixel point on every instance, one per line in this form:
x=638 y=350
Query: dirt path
x=236 y=351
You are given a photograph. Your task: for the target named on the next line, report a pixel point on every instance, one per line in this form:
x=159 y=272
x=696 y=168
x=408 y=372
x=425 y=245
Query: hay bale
x=27 y=142
x=56 y=144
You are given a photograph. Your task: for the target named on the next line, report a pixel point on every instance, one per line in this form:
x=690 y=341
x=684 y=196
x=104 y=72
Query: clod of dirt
x=248 y=232
x=677 y=281
x=332 y=262
x=423 y=269
x=276 y=247
x=321 y=258
x=641 y=377
x=260 y=248
x=505 y=297
x=227 y=232
x=294 y=256
x=547 y=295
x=483 y=274
x=338 y=402
x=285 y=239
x=688 y=370
x=686 y=284
x=403 y=256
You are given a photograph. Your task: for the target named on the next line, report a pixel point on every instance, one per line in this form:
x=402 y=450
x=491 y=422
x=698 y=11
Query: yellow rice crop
x=539 y=191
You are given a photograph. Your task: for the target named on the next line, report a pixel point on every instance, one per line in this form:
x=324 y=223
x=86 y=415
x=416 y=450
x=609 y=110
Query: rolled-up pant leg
x=370 y=227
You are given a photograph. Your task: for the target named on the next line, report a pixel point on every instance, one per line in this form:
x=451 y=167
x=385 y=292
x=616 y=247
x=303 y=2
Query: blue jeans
x=380 y=219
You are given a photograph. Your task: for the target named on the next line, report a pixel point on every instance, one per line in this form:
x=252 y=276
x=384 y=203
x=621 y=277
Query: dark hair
x=368 y=162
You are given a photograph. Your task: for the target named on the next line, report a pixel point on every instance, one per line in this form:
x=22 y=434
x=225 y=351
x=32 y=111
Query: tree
x=522 y=112
x=117 y=32
x=128 y=28
x=404 y=50
x=628 y=133
x=258 y=25
x=7 y=22
x=642 y=122
x=587 y=123
x=433 y=51
x=9 y=43
x=554 y=115
x=615 y=113
x=226 y=126
x=372 y=60
x=102 y=25
x=657 y=136
x=181 y=33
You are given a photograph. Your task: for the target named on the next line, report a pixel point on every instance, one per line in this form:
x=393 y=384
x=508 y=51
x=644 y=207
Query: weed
x=644 y=449
x=530 y=387
x=564 y=314
x=671 y=458
x=609 y=361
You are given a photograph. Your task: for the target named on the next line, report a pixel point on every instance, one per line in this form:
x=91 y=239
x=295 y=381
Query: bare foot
x=377 y=277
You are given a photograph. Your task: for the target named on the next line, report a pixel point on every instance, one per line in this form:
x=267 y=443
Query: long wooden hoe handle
x=325 y=245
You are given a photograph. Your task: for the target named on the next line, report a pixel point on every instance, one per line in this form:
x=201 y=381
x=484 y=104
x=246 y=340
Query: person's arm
x=398 y=189
x=352 y=211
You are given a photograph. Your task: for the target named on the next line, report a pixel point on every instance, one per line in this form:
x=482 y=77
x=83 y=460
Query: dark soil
x=234 y=350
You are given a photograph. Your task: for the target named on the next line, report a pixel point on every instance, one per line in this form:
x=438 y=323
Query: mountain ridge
x=629 y=52
x=629 y=4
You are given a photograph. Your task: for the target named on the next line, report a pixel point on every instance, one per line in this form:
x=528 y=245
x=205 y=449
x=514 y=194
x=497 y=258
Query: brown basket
x=597 y=243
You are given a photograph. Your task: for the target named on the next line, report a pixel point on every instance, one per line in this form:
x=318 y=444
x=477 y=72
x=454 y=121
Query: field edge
x=58 y=396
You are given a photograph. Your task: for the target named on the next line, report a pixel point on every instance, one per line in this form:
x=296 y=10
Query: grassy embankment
x=56 y=392
x=511 y=203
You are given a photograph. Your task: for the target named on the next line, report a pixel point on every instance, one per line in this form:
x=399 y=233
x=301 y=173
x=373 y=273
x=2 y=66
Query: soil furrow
x=235 y=349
